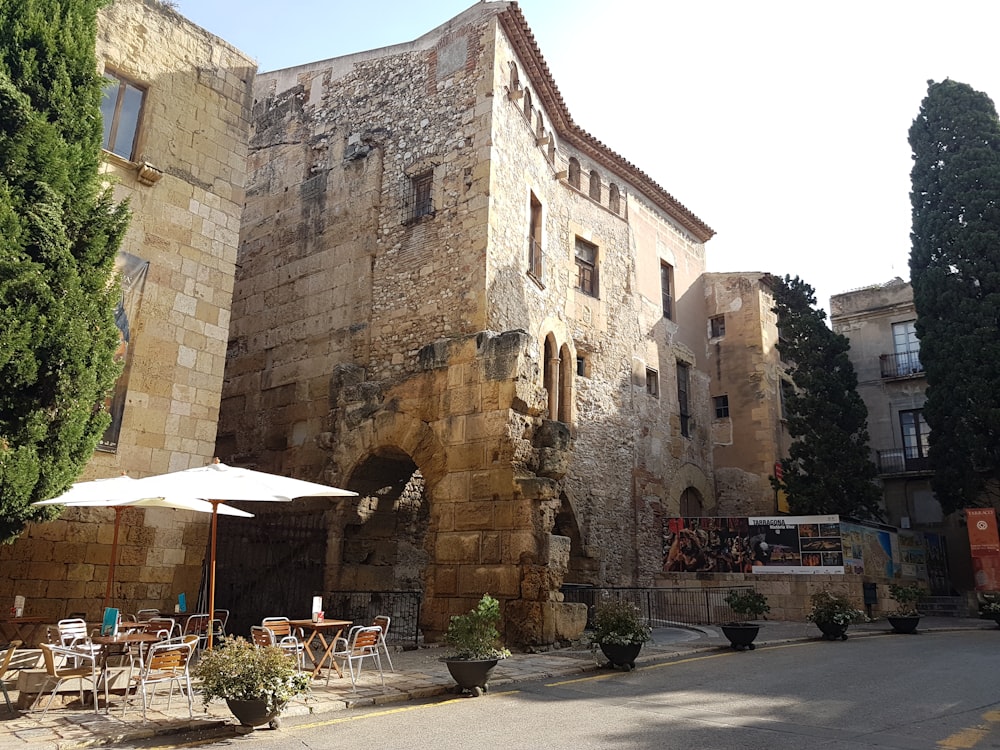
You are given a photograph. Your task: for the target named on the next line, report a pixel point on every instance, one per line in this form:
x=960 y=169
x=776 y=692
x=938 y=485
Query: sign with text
x=982 y=527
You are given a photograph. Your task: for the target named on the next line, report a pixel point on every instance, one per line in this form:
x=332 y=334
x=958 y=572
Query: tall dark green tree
x=59 y=232
x=955 y=275
x=829 y=467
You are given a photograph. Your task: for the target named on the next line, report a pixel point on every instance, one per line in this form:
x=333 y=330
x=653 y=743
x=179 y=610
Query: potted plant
x=905 y=617
x=255 y=681
x=832 y=613
x=619 y=631
x=748 y=604
x=989 y=607
x=476 y=645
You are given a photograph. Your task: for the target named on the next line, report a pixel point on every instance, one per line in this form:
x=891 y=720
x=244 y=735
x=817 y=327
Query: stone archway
x=581 y=568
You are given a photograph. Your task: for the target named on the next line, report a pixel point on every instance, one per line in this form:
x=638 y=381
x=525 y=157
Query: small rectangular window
x=666 y=287
x=535 y=266
x=717 y=325
x=652 y=382
x=121 y=110
x=721 y=407
x=420 y=197
x=586 y=267
x=683 y=388
x=581 y=366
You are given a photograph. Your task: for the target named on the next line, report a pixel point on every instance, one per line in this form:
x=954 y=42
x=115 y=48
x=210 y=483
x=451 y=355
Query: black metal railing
x=900 y=365
x=659 y=606
x=361 y=607
x=898 y=461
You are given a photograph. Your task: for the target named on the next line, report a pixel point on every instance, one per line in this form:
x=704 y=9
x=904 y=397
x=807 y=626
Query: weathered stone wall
x=744 y=365
x=186 y=193
x=360 y=334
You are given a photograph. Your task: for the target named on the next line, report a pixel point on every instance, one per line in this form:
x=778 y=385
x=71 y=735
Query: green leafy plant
x=906 y=597
x=749 y=603
x=837 y=608
x=474 y=636
x=619 y=622
x=238 y=670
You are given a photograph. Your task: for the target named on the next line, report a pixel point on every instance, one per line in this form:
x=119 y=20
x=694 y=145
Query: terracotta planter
x=471 y=675
x=741 y=635
x=254 y=713
x=621 y=655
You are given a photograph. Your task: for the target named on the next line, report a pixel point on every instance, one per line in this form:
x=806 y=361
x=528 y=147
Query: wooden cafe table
x=323 y=636
x=28 y=630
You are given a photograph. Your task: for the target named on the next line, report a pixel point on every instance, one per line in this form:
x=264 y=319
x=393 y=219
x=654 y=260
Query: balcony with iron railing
x=901 y=365
x=902 y=461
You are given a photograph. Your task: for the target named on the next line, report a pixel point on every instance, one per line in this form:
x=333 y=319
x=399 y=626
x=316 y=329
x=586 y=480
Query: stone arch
x=580 y=567
x=527 y=104
x=566 y=369
x=551 y=374
x=614 y=198
x=692 y=480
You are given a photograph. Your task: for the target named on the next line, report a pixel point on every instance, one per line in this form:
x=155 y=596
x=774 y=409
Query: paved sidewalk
x=418 y=674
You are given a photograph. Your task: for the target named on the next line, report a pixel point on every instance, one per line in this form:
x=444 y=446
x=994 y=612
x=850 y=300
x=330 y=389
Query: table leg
x=328 y=654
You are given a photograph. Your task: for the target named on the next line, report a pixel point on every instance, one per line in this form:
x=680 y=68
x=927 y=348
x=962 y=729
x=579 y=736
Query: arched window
x=595 y=185
x=527 y=104
x=539 y=125
x=614 y=198
x=515 y=82
x=574 y=173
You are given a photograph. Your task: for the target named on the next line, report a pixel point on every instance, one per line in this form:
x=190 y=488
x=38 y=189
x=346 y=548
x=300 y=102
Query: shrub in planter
x=238 y=671
x=619 y=631
x=747 y=604
x=476 y=644
x=832 y=613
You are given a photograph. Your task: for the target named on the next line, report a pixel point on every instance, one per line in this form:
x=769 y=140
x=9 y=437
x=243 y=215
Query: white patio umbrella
x=218 y=483
x=123 y=491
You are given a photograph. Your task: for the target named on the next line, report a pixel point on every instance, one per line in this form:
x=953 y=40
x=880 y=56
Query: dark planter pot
x=471 y=675
x=254 y=713
x=621 y=655
x=741 y=635
x=903 y=623
x=833 y=631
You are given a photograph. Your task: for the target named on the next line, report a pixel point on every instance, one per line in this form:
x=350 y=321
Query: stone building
x=747 y=381
x=879 y=321
x=176 y=128
x=453 y=299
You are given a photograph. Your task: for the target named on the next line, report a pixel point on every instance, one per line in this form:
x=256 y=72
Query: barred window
x=420 y=196
x=721 y=406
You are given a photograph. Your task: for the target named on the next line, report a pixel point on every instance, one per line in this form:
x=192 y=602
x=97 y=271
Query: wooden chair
x=4 y=666
x=382 y=622
x=362 y=643
x=167 y=662
x=75 y=669
x=261 y=636
x=165 y=627
x=287 y=638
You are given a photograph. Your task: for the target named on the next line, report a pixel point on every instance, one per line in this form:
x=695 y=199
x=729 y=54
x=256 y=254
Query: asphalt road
x=926 y=691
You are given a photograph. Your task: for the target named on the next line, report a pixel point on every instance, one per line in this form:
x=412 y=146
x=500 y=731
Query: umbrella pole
x=211 y=573
x=114 y=554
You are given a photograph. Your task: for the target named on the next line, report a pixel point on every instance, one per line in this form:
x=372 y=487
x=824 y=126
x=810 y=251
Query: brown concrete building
x=742 y=359
x=879 y=322
x=453 y=299
x=176 y=126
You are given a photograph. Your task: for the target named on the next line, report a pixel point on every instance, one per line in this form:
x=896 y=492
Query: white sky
x=782 y=124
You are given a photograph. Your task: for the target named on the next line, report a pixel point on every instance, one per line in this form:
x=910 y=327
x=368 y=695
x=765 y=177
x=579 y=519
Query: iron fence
x=361 y=607
x=661 y=606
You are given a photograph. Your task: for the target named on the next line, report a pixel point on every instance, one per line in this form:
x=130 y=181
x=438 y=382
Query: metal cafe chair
x=167 y=663
x=382 y=622
x=287 y=638
x=4 y=666
x=76 y=668
x=361 y=644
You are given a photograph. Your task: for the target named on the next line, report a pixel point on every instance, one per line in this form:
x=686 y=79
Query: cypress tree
x=955 y=275
x=829 y=467
x=59 y=233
